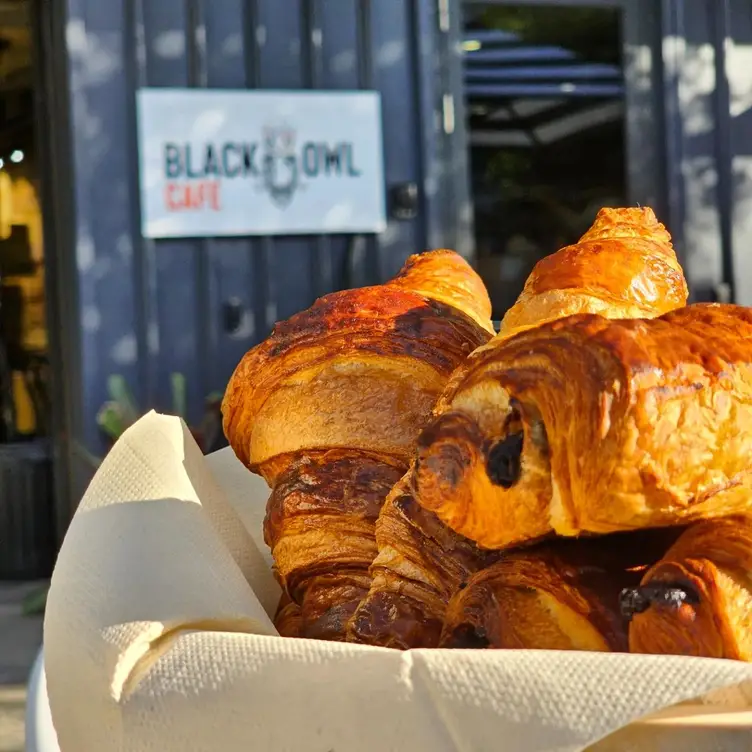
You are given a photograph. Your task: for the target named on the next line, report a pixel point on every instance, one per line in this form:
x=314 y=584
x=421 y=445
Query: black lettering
x=333 y=159
x=249 y=160
x=211 y=163
x=189 y=169
x=311 y=160
x=233 y=171
x=352 y=170
x=173 y=164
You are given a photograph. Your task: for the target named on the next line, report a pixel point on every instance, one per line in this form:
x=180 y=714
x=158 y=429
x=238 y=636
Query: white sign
x=218 y=162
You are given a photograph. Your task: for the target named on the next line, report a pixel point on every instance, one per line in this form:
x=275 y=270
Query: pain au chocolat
x=697 y=600
x=588 y=425
x=328 y=410
x=563 y=595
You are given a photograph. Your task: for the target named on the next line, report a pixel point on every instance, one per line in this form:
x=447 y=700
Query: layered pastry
x=563 y=595
x=697 y=600
x=623 y=267
x=328 y=410
x=590 y=426
x=420 y=561
x=287 y=619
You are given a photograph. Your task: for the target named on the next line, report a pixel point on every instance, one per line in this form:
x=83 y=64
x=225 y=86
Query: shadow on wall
x=715 y=160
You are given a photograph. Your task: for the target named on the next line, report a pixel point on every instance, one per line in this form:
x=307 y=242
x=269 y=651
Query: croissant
x=420 y=563
x=623 y=267
x=697 y=600
x=587 y=425
x=556 y=596
x=328 y=410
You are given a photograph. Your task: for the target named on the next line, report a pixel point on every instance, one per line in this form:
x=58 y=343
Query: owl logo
x=280 y=165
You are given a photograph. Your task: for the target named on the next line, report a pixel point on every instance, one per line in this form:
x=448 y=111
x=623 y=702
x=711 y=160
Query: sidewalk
x=20 y=638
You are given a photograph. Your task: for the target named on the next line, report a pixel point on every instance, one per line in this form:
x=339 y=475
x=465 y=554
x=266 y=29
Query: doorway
x=27 y=512
x=545 y=101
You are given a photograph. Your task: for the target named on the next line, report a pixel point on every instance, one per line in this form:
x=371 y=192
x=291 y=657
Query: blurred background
x=506 y=126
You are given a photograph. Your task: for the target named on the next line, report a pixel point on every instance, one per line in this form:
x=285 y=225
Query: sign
x=219 y=162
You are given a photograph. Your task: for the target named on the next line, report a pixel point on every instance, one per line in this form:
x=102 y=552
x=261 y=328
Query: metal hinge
x=444 y=18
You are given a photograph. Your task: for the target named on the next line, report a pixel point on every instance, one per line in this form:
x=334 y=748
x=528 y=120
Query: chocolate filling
x=504 y=460
x=504 y=457
x=637 y=600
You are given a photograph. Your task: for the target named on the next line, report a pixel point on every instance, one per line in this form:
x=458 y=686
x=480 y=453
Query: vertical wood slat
x=282 y=47
x=738 y=15
x=171 y=60
x=320 y=256
x=393 y=74
x=233 y=260
x=103 y=222
x=144 y=249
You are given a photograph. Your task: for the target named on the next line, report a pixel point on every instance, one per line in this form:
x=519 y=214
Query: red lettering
x=171 y=197
x=214 y=201
x=202 y=194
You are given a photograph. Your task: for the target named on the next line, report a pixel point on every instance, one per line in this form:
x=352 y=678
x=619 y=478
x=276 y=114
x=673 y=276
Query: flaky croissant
x=587 y=425
x=328 y=410
x=563 y=595
x=697 y=600
x=623 y=267
x=420 y=563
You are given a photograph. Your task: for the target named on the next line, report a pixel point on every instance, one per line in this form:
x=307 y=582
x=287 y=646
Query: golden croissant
x=328 y=410
x=588 y=425
x=697 y=600
x=563 y=595
x=623 y=267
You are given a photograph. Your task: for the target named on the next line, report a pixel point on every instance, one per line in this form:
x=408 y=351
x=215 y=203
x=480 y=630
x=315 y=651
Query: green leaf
x=119 y=392
x=35 y=602
x=112 y=420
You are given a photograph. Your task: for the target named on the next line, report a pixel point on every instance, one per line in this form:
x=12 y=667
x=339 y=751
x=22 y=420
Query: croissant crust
x=624 y=266
x=420 y=563
x=562 y=595
x=698 y=599
x=577 y=426
x=283 y=393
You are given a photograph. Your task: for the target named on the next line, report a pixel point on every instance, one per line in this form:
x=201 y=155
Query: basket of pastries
x=429 y=534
